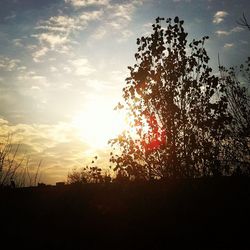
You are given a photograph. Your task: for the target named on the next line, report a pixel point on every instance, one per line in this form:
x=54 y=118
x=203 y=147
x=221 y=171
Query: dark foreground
x=196 y=214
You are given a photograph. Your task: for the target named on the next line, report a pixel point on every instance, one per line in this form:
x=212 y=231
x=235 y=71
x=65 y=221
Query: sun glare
x=98 y=123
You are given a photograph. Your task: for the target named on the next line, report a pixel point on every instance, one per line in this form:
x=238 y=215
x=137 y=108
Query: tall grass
x=15 y=168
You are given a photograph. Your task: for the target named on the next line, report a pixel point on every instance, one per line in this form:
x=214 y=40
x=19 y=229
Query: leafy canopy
x=176 y=108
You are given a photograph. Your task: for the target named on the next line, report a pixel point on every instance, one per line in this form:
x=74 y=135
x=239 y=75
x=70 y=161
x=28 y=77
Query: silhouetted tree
x=77 y=177
x=176 y=108
x=237 y=144
x=88 y=174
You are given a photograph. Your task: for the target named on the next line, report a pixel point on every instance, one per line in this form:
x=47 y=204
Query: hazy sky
x=63 y=65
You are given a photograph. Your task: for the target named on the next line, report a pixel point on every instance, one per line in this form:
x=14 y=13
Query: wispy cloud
x=117 y=18
x=11 y=16
x=57 y=33
x=53 y=69
x=86 y=17
x=82 y=67
x=226 y=33
x=99 y=85
x=237 y=29
x=17 y=42
x=31 y=75
x=125 y=34
x=121 y=14
x=8 y=64
x=228 y=45
x=58 y=24
x=219 y=16
x=85 y=3
x=222 y=32
x=52 y=40
x=38 y=53
x=99 y=33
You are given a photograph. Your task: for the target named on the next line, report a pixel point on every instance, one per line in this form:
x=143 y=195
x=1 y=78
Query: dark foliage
x=178 y=110
x=88 y=174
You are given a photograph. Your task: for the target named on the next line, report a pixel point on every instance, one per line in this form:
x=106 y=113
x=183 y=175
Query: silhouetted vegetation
x=236 y=154
x=15 y=169
x=184 y=118
x=182 y=171
x=88 y=174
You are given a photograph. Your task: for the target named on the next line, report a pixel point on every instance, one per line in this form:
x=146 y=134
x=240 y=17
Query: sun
x=98 y=123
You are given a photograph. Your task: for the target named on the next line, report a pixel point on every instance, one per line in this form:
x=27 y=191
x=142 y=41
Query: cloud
x=86 y=17
x=38 y=136
x=121 y=14
x=17 y=42
x=82 y=67
x=7 y=64
x=31 y=102
x=99 y=33
x=219 y=16
x=39 y=53
x=60 y=23
x=123 y=11
x=86 y=3
x=30 y=75
x=125 y=34
x=11 y=16
x=100 y=85
x=35 y=88
x=237 y=29
x=222 y=33
x=53 y=69
x=65 y=25
x=228 y=45
x=57 y=145
x=117 y=18
x=52 y=40
x=57 y=32
x=67 y=69
x=227 y=33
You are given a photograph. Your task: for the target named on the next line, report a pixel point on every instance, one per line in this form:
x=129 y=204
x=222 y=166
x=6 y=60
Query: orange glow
x=156 y=136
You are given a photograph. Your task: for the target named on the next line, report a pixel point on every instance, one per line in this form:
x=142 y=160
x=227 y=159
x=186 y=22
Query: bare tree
x=237 y=146
x=244 y=22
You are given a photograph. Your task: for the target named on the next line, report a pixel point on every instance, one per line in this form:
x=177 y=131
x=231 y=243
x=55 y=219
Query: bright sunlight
x=98 y=123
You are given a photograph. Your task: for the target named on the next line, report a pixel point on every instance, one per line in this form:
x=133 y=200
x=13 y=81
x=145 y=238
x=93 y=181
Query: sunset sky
x=63 y=65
